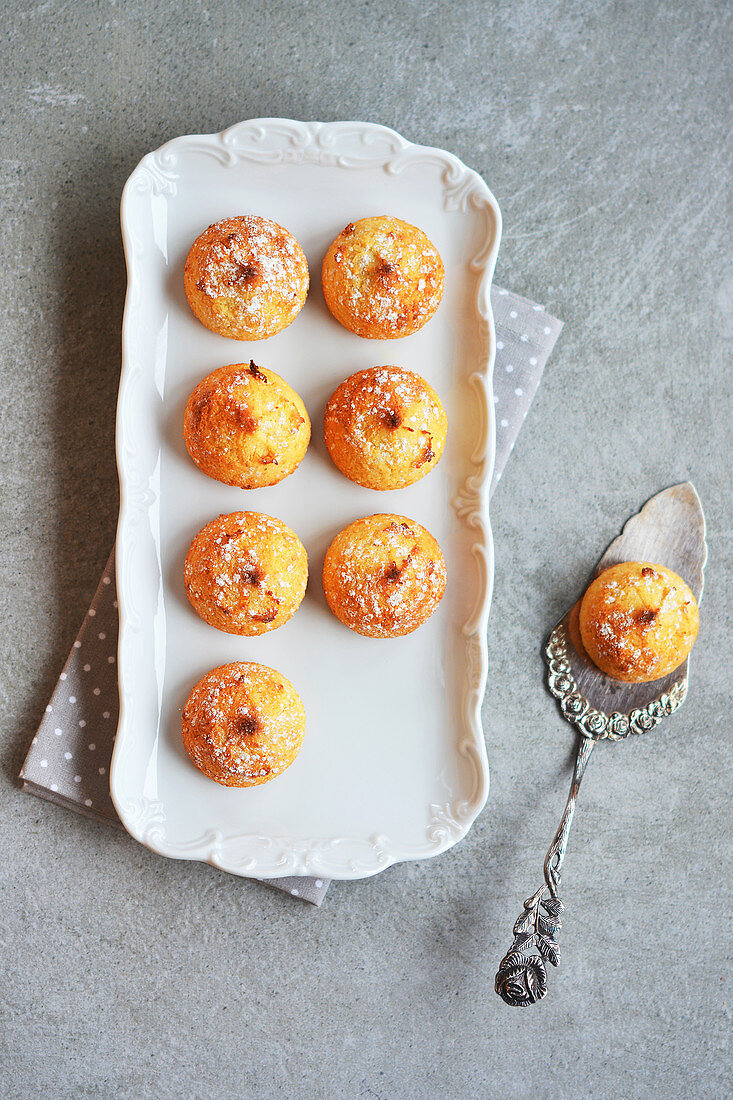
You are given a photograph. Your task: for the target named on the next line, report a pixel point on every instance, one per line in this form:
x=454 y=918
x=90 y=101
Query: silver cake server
x=670 y=531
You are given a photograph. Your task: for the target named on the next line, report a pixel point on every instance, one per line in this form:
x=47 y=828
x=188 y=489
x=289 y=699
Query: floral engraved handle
x=522 y=975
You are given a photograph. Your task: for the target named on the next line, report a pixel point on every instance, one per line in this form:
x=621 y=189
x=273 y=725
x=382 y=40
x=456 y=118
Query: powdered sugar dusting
x=246 y=426
x=243 y=724
x=252 y=269
x=384 y=575
x=383 y=277
x=638 y=620
x=385 y=427
x=246 y=573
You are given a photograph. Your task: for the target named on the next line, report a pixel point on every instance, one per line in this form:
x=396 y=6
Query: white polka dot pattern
x=87 y=683
x=62 y=761
x=525 y=336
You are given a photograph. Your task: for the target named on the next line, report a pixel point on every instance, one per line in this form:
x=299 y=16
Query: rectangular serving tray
x=393 y=765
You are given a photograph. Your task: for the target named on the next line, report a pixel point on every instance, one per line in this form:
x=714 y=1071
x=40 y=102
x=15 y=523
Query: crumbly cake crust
x=638 y=621
x=246 y=573
x=246 y=277
x=243 y=724
x=384 y=576
x=385 y=427
x=382 y=278
x=246 y=426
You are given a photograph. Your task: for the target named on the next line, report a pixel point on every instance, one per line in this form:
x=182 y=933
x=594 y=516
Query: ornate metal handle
x=522 y=978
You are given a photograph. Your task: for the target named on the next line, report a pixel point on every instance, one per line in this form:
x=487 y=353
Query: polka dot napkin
x=68 y=761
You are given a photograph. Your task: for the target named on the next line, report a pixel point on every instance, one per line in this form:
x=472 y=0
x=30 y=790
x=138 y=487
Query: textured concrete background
x=604 y=130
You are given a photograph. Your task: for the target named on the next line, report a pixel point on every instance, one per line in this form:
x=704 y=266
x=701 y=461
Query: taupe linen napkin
x=68 y=761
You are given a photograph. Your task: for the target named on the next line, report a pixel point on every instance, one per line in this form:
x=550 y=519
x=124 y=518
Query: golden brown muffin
x=382 y=278
x=243 y=724
x=383 y=576
x=246 y=573
x=246 y=426
x=246 y=278
x=638 y=621
x=385 y=427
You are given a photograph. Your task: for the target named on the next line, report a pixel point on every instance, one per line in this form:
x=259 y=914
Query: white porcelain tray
x=393 y=765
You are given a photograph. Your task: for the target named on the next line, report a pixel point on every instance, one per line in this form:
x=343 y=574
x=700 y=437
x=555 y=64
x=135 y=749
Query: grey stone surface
x=604 y=130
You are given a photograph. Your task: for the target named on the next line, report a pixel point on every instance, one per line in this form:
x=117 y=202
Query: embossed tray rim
x=348 y=146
